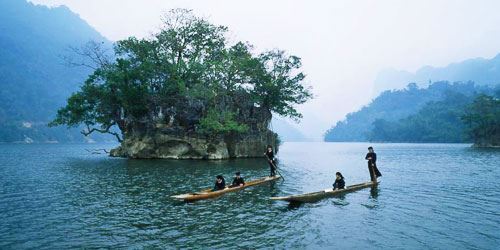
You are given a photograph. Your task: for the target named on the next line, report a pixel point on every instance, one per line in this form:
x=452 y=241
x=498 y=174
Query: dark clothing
x=237 y=182
x=219 y=186
x=340 y=184
x=270 y=155
x=272 y=162
x=373 y=157
x=372 y=166
x=272 y=168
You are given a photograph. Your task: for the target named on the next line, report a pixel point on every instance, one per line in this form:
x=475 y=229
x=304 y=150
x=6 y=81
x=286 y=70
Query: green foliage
x=278 y=85
x=483 y=120
x=435 y=122
x=412 y=114
x=188 y=76
x=221 y=123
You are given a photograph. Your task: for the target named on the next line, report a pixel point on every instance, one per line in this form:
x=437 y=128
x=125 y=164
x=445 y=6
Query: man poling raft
x=339 y=185
x=372 y=164
x=271 y=160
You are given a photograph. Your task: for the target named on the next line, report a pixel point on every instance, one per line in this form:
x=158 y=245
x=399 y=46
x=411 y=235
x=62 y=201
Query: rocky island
x=186 y=92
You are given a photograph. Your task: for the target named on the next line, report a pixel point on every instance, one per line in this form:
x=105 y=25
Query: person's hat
x=237 y=173
x=370 y=147
x=219 y=177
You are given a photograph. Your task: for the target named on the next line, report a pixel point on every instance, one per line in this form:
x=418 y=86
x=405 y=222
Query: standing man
x=270 y=158
x=372 y=164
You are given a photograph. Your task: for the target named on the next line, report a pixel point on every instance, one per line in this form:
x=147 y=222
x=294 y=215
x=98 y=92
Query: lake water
x=444 y=196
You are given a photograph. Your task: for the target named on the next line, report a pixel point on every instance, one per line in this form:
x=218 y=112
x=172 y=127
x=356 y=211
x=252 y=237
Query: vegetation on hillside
x=436 y=121
x=34 y=79
x=482 y=119
x=432 y=114
x=458 y=118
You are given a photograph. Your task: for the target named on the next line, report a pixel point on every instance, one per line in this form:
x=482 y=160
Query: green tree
x=483 y=121
x=189 y=77
x=277 y=85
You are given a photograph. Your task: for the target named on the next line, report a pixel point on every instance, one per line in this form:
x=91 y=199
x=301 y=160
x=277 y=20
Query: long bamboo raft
x=315 y=196
x=208 y=193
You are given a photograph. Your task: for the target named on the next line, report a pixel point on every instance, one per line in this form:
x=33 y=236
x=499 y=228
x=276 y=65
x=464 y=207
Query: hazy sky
x=343 y=44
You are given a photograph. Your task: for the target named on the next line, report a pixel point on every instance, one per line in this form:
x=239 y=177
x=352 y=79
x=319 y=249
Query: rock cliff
x=165 y=146
x=178 y=137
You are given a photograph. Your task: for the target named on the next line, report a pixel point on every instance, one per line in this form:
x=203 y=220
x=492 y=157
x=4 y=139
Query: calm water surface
x=443 y=196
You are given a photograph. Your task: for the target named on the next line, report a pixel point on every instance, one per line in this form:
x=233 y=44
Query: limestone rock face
x=165 y=146
x=178 y=137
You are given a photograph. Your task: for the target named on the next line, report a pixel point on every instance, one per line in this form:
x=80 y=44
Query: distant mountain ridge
x=394 y=105
x=401 y=94
x=479 y=70
x=34 y=79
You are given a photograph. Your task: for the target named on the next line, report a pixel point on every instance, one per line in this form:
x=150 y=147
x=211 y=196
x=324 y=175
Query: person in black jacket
x=237 y=181
x=339 y=181
x=220 y=183
x=270 y=158
x=372 y=164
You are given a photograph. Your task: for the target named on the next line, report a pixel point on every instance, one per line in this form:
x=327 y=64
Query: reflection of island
x=186 y=93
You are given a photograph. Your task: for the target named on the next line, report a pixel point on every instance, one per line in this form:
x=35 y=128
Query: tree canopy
x=482 y=118
x=189 y=77
x=457 y=118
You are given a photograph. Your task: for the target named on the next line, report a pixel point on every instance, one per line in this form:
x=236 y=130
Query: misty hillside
x=286 y=131
x=34 y=79
x=444 y=121
x=479 y=70
x=394 y=105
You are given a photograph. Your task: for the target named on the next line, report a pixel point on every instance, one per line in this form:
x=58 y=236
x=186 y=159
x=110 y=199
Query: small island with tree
x=186 y=93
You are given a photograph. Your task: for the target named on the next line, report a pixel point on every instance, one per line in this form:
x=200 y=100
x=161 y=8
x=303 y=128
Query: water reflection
x=374 y=192
x=340 y=200
x=294 y=205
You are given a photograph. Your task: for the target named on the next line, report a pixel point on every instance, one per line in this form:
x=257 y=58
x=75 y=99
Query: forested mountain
x=458 y=118
x=436 y=121
x=34 y=79
x=429 y=114
x=479 y=70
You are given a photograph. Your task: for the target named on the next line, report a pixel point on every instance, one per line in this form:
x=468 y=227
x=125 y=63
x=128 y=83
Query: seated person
x=339 y=182
x=237 y=181
x=220 y=183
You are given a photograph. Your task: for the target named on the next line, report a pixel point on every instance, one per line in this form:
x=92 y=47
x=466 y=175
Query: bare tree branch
x=92 y=55
x=105 y=130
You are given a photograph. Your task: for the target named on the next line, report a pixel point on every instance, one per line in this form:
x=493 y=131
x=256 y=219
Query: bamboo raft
x=315 y=196
x=208 y=193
